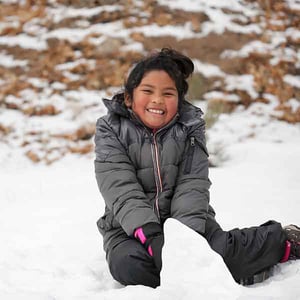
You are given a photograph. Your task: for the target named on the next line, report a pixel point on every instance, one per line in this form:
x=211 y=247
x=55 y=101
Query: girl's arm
x=117 y=181
x=190 y=203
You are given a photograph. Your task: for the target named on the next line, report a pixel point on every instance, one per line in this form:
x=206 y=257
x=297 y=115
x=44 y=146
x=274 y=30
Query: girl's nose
x=157 y=99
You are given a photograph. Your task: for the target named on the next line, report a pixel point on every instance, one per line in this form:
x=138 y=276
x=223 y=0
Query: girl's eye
x=147 y=91
x=169 y=94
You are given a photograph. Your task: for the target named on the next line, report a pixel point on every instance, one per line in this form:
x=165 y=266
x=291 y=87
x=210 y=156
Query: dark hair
x=178 y=66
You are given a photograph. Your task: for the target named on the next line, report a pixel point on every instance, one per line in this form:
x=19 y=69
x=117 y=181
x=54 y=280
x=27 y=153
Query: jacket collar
x=189 y=114
x=116 y=105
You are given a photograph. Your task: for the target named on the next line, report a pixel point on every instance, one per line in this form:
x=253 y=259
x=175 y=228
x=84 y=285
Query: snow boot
x=293 y=242
x=292 y=251
x=257 y=278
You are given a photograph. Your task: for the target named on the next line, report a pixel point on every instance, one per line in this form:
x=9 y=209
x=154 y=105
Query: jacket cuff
x=151 y=229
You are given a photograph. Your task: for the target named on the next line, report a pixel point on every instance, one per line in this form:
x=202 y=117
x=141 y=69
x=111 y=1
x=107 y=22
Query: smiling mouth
x=155 y=111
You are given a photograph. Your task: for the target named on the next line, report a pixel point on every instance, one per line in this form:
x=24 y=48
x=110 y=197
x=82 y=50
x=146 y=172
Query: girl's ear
x=127 y=100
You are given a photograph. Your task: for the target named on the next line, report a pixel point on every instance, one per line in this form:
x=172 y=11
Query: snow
x=293 y=33
x=70 y=65
x=24 y=41
x=50 y=246
x=61 y=12
x=9 y=61
x=202 y=5
x=294 y=4
x=37 y=82
x=273 y=48
x=111 y=29
x=219 y=21
x=33 y=27
x=220 y=95
x=292 y=80
x=179 y=32
x=241 y=82
x=135 y=46
x=208 y=70
x=9 y=23
x=294 y=104
x=52 y=249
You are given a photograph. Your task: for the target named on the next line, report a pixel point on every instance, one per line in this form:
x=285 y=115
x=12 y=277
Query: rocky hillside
x=58 y=58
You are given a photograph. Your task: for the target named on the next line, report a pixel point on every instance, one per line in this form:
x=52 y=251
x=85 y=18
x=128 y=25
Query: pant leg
x=247 y=251
x=130 y=264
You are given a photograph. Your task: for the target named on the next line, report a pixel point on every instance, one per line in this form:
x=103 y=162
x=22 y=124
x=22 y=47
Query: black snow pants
x=245 y=252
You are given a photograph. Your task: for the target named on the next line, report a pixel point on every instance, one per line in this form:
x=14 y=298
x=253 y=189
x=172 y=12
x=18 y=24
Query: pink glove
x=151 y=236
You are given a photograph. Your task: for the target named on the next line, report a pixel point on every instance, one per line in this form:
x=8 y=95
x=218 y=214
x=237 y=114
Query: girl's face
x=155 y=99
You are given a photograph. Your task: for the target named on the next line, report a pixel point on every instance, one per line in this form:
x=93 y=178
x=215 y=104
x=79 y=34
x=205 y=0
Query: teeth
x=155 y=111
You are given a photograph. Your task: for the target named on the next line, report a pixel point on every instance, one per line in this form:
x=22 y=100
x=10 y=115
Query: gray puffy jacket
x=148 y=177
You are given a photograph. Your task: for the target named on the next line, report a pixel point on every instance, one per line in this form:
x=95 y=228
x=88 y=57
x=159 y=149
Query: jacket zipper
x=155 y=156
x=157 y=173
x=190 y=155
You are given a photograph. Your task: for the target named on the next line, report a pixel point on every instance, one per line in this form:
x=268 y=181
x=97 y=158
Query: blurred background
x=58 y=58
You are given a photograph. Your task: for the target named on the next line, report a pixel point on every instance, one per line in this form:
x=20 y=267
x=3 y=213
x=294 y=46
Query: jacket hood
x=116 y=105
x=189 y=114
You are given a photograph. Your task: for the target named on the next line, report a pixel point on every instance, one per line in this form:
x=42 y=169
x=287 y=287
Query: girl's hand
x=151 y=236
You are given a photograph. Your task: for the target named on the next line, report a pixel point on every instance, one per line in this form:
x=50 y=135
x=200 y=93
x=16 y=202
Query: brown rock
x=208 y=49
x=85 y=132
x=33 y=156
x=221 y=106
x=288 y=115
x=138 y=37
x=45 y=110
x=108 y=47
x=82 y=149
x=5 y=129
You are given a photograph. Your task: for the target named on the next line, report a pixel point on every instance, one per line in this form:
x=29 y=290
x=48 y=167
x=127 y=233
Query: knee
x=120 y=263
x=133 y=267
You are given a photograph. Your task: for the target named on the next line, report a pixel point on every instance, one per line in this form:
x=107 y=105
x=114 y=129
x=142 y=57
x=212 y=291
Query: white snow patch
x=111 y=29
x=9 y=23
x=219 y=21
x=58 y=85
x=38 y=82
x=97 y=40
x=241 y=82
x=24 y=41
x=62 y=12
x=84 y=96
x=294 y=104
x=221 y=95
x=33 y=27
x=203 y=5
x=73 y=64
x=292 y=80
x=180 y=32
x=208 y=70
x=293 y=4
x=253 y=46
x=57 y=251
x=71 y=76
x=135 y=46
x=9 y=61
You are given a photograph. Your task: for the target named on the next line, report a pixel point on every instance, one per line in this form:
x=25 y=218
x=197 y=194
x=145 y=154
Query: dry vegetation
x=100 y=67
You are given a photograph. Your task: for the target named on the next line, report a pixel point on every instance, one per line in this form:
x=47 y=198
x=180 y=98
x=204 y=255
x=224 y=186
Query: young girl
x=152 y=164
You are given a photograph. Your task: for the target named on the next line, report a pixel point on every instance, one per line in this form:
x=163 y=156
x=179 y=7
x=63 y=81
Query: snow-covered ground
x=50 y=245
x=51 y=249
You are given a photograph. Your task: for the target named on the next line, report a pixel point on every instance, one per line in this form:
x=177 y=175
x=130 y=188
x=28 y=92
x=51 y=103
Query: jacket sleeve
x=117 y=181
x=190 y=203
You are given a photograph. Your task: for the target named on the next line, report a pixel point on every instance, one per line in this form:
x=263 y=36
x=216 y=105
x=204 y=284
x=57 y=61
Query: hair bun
x=184 y=63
